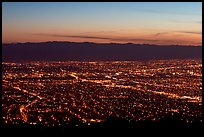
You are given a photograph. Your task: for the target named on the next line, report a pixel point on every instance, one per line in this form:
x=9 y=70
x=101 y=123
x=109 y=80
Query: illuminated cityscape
x=86 y=93
x=72 y=65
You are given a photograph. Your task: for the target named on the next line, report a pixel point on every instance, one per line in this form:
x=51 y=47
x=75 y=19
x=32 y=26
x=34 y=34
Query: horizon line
x=121 y=43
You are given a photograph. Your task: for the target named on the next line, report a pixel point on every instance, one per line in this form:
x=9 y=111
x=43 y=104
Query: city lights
x=57 y=93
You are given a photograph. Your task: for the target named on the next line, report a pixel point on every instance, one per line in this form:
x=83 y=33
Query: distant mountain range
x=88 y=51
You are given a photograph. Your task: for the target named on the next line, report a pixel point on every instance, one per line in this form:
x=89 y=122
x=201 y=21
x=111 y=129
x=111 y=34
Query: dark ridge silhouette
x=89 y=51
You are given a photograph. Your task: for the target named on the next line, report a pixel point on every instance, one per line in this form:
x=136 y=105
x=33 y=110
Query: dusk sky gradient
x=121 y=22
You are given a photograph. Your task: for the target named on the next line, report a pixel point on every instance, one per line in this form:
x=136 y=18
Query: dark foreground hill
x=86 y=51
x=173 y=122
